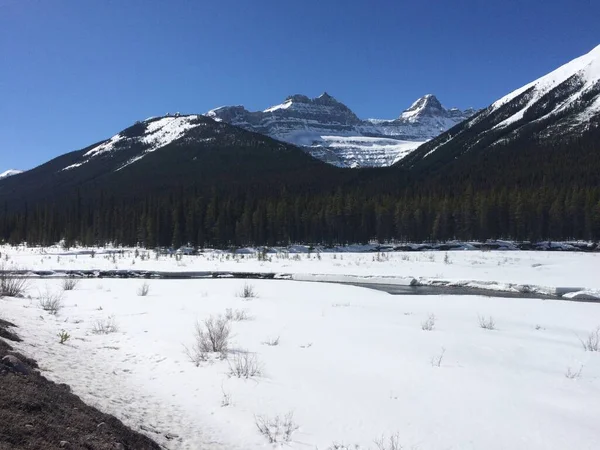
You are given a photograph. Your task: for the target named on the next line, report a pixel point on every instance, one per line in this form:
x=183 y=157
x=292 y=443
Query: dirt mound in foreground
x=36 y=413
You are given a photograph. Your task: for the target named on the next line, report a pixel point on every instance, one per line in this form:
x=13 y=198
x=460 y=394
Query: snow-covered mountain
x=571 y=94
x=558 y=108
x=425 y=119
x=145 y=137
x=174 y=150
x=10 y=173
x=330 y=131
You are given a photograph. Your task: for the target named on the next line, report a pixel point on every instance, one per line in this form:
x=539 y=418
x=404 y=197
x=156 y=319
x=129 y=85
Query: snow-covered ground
x=500 y=270
x=352 y=364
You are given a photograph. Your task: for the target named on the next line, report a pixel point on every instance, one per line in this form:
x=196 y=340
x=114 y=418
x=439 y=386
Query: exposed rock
x=15 y=364
x=7 y=334
x=329 y=130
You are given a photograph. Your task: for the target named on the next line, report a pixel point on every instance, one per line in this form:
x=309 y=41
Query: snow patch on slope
x=108 y=146
x=163 y=131
x=158 y=134
x=10 y=173
x=284 y=105
x=587 y=67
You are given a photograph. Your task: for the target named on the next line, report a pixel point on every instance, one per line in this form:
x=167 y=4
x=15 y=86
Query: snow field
x=351 y=364
x=496 y=269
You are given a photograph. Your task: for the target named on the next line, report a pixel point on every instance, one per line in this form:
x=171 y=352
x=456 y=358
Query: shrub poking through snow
x=276 y=429
x=573 y=375
x=237 y=315
x=63 y=337
x=392 y=443
x=69 y=284
x=105 y=326
x=143 y=290
x=12 y=285
x=210 y=336
x=195 y=355
x=226 y=398
x=436 y=361
x=341 y=446
x=429 y=324
x=487 y=324
x=51 y=302
x=245 y=365
x=215 y=335
x=447 y=259
x=272 y=342
x=592 y=342
x=247 y=291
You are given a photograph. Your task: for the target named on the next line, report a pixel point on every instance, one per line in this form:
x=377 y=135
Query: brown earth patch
x=36 y=413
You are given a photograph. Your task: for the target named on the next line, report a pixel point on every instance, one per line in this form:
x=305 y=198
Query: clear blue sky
x=73 y=72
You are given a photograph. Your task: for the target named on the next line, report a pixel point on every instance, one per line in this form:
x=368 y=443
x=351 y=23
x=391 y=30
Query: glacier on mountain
x=329 y=130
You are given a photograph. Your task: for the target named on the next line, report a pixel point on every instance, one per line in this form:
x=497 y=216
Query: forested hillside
x=525 y=168
x=549 y=191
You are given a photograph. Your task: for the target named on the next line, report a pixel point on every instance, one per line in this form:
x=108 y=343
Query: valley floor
x=497 y=270
x=351 y=364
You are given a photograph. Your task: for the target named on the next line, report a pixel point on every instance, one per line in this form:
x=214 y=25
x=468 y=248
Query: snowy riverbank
x=352 y=364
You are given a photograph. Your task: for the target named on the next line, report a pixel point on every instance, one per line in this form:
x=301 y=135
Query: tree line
x=343 y=216
x=527 y=189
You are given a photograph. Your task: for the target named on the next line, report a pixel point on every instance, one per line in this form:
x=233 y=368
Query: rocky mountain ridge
x=559 y=108
x=329 y=130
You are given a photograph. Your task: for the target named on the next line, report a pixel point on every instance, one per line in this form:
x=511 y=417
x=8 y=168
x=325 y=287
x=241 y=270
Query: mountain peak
x=563 y=104
x=326 y=99
x=428 y=102
x=586 y=68
x=330 y=130
x=429 y=108
x=316 y=107
x=299 y=98
x=323 y=99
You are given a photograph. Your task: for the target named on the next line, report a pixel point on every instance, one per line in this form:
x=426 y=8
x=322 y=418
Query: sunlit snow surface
x=352 y=364
x=587 y=67
x=158 y=134
x=10 y=173
x=284 y=105
x=354 y=151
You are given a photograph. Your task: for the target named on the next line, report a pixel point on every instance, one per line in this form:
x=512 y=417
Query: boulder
x=15 y=364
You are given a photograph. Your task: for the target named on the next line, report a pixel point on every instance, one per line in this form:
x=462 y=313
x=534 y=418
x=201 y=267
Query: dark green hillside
x=223 y=186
